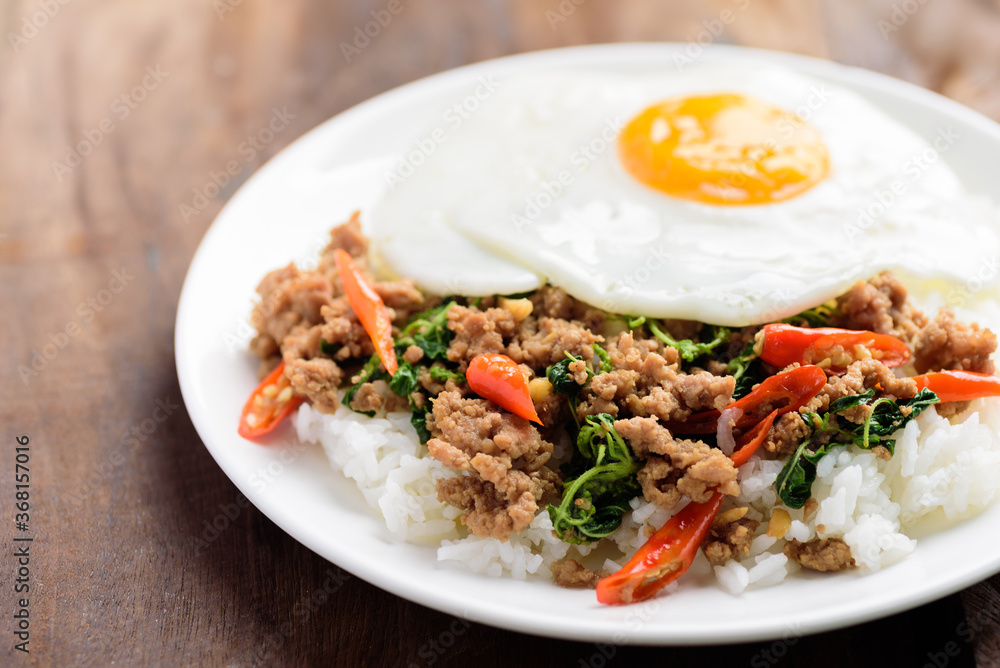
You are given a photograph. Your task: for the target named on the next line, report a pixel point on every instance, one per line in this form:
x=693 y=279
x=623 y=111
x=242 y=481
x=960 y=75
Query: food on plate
x=369 y=308
x=634 y=422
x=268 y=405
x=681 y=350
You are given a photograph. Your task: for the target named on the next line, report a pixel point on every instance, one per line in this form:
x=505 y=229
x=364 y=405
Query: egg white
x=529 y=189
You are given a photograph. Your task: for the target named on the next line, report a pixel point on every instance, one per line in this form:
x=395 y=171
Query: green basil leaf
x=443 y=374
x=818 y=316
x=605 y=359
x=419 y=422
x=794 y=482
x=688 y=349
x=844 y=403
x=404 y=382
x=562 y=378
x=597 y=496
x=369 y=372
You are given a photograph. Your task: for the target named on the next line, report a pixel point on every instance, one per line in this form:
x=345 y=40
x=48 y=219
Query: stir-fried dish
x=544 y=404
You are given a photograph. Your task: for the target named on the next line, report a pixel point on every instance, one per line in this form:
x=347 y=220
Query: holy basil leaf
x=612 y=507
x=597 y=495
x=419 y=421
x=602 y=355
x=818 y=316
x=443 y=374
x=562 y=378
x=744 y=386
x=404 y=382
x=739 y=365
x=923 y=400
x=564 y=381
x=851 y=401
x=428 y=331
x=794 y=483
x=369 y=372
x=435 y=346
x=746 y=369
x=688 y=349
x=886 y=417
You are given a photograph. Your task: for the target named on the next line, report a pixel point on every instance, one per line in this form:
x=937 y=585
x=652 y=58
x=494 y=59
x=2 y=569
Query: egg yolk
x=723 y=149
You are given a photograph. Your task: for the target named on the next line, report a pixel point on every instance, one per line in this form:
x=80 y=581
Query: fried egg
x=732 y=196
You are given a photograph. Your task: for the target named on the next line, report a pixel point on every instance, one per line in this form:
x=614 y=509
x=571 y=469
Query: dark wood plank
x=119 y=574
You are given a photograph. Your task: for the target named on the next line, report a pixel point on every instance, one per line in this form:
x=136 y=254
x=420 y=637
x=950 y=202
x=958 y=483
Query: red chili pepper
x=753 y=439
x=669 y=552
x=788 y=391
x=369 y=308
x=786 y=344
x=959 y=385
x=268 y=405
x=785 y=392
x=666 y=556
x=499 y=379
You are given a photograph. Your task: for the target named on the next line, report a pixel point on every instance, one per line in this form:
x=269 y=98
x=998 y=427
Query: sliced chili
x=368 y=307
x=831 y=348
x=663 y=558
x=959 y=385
x=669 y=552
x=268 y=405
x=788 y=391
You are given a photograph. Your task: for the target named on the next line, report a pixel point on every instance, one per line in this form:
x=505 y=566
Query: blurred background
x=119 y=120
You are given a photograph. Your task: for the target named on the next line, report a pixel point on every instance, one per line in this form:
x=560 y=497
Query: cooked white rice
x=938 y=466
x=384 y=458
x=386 y=461
x=951 y=467
x=942 y=466
x=869 y=502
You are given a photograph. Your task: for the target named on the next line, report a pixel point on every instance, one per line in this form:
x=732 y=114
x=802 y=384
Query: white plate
x=285 y=211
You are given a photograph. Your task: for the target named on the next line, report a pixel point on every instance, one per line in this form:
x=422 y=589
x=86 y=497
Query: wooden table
x=114 y=114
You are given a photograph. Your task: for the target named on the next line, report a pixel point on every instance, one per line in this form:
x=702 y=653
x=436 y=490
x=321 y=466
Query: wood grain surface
x=114 y=114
